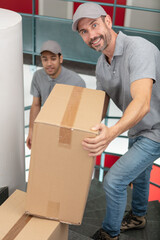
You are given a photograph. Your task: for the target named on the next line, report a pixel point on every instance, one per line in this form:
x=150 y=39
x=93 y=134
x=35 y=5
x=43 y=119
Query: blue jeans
x=134 y=166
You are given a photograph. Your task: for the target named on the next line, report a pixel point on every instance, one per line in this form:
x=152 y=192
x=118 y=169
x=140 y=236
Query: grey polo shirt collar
x=119 y=44
x=47 y=76
x=53 y=79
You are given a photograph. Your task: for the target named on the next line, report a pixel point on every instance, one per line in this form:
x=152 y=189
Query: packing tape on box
x=70 y=115
x=18 y=226
x=53 y=209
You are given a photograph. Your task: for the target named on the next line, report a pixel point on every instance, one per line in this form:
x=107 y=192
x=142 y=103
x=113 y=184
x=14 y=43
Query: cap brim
x=91 y=16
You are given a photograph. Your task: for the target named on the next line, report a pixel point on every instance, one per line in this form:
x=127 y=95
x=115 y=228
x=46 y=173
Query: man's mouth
x=50 y=69
x=96 y=41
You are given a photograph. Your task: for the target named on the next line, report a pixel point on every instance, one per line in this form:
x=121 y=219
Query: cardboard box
x=15 y=224
x=60 y=169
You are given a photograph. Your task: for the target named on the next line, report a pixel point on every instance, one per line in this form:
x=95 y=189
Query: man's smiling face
x=95 y=33
x=51 y=63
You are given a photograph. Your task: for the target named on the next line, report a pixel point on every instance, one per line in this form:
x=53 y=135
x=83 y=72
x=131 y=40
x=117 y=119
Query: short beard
x=106 y=39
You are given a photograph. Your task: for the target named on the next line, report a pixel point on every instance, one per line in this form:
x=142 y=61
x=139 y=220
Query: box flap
x=72 y=107
x=11 y=211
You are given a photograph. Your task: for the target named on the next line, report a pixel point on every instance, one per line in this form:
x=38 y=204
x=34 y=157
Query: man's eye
x=94 y=25
x=83 y=32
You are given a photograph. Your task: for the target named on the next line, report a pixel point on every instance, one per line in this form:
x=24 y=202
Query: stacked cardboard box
x=60 y=169
x=15 y=224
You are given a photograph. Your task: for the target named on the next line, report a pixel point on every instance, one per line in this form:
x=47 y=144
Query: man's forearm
x=133 y=114
x=33 y=114
x=141 y=91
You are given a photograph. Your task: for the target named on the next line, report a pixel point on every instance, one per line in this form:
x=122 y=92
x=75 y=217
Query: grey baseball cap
x=51 y=46
x=87 y=10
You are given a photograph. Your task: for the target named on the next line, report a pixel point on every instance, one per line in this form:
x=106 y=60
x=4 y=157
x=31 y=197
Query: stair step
x=99 y=202
x=76 y=236
x=84 y=230
x=95 y=212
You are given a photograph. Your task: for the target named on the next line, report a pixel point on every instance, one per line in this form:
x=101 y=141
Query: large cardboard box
x=60 y=169
x=15 y=224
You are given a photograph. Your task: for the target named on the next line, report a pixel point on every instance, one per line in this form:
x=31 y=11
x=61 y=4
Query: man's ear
x=61 y=58
x=108 y=21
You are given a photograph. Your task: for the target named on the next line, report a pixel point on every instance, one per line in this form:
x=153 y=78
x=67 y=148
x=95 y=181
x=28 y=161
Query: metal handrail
x=119 y=5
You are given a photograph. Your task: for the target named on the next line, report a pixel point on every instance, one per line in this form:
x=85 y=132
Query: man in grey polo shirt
x=45 y=79
x=128 y=71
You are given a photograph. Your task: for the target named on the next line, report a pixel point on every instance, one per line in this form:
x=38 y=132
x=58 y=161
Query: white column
x=12 y=160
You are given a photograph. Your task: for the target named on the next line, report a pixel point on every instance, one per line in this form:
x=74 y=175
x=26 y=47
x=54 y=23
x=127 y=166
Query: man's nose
x=49 y=62
x=91 y=35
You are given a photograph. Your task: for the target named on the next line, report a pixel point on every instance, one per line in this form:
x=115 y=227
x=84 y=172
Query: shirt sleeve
x=142 y=61
x=98 y=83
x=99 y=75
x=34 y=86
x=80 y=82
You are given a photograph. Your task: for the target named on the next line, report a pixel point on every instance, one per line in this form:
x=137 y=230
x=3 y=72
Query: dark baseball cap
x=87 y=10
x=51 y=46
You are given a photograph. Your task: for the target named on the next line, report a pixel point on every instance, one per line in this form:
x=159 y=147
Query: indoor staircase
x=95 y=211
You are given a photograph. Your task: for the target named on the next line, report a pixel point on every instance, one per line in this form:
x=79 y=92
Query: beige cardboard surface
x=14 y=224
x=88 y=113
x=60 y=169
